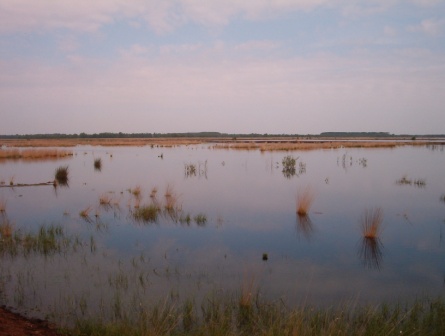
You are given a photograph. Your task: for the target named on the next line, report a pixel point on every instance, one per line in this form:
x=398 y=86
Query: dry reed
x=2 y=205
x=305 y=198
x=371 y=223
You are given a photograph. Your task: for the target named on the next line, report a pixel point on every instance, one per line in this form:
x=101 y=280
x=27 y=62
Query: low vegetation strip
x=235 y=317
x=260 y=143
x=34 y=154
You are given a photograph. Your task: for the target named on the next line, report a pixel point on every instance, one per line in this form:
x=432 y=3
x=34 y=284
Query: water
x=114 y=262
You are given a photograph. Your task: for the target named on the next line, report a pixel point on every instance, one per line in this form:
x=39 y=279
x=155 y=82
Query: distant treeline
x=212 y=135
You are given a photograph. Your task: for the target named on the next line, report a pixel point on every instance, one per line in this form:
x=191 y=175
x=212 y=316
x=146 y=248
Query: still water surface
x=249 y=207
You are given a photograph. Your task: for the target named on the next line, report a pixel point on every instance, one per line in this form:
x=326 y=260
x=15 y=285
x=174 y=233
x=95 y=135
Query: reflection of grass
x=200 y=219
x=371 y=252
x=2 y=205
x=305 y=225
x=305 y=198
x=371 y=222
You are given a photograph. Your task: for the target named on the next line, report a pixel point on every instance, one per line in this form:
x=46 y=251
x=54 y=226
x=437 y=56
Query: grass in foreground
x=216 y=316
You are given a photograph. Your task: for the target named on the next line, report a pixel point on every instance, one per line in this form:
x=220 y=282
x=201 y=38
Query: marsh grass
x=305 y=198
x=404 y=180
x=61 y=175
x=171 y=200
x=98 y=164
x=147 y=213
x=371 y=223
x=222 y=316
x=47 y=241
x=2 y=205
x=200 y=219
x=85 y=214
x=34 y=154
x=288 y=164
x=105 y=200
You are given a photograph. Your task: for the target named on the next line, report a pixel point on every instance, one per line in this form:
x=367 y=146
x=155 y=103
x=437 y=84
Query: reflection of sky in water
x=250 y=208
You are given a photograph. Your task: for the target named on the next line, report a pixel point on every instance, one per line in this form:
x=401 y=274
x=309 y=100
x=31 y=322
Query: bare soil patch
x=12 y=324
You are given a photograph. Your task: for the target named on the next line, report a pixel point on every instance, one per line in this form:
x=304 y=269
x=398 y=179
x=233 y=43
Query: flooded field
x=133 y=226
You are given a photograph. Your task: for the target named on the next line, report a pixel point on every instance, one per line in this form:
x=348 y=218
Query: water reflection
x=305 y=227
x=370 y=252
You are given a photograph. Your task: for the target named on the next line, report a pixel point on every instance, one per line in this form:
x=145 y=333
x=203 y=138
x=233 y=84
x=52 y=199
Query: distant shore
x=248 y=143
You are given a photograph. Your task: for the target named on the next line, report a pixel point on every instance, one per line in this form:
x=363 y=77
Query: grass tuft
x=98 y=164
x=371 y=223
x=147 y=213
x=61 y=175
x=305 y=198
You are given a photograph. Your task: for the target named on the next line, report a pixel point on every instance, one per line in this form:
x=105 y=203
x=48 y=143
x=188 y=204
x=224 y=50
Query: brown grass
x=371 y=223
x=171 y=199
x=34 y=154
x=2 y=205
x=85 y=213
x=105 y=199
x=263 y=144
x=6 y=229
x=305 y=198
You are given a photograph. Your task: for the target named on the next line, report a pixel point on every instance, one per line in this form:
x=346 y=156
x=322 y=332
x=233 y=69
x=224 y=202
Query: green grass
x=222 y=316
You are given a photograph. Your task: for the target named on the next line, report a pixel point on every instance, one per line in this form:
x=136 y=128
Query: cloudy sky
x=236 y=66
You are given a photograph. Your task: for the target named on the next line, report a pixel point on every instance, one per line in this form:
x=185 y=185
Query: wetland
x=130 y=227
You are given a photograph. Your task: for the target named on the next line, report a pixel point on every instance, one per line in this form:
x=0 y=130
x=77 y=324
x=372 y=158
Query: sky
x=232 y=66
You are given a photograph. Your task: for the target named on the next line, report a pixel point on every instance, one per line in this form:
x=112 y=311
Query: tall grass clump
x=305 y=198
x=98 y=164
x=61 y=175
x=371 y=223
x=2 y=205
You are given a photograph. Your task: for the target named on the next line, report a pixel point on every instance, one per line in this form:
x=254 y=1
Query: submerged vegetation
x=407 y=181
x=47 y=241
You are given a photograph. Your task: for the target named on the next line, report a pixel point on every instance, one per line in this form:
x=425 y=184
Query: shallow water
x=115 y=261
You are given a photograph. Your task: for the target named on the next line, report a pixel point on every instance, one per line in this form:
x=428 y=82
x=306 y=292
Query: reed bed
x=34 y=154
x=263 y=144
